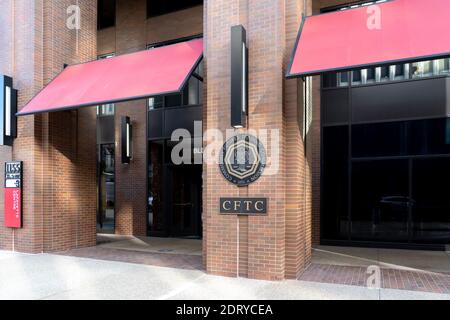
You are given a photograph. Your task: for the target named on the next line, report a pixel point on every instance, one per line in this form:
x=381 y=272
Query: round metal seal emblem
x=242 y=159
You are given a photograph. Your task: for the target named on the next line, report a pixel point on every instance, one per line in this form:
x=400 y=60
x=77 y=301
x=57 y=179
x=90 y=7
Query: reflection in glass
x=422 y=69
x=356 y=77
x=334 y=211
x=380 y=200
x=155 y=103
x=105 y=216
x=343 y=79
x=399 y=177
x=431 y=189
x=379 y=139
x=155 y=185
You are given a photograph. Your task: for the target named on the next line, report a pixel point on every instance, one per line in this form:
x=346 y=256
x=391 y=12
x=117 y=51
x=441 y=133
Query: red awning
x=394 y=31
x=132 y=76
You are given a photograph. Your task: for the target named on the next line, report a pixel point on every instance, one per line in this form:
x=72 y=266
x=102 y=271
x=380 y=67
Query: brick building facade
x=58 y=149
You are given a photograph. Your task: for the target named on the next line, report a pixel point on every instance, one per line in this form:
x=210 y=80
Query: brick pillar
x=131 y=180
x=274 y=246
x=6 y=68
x=59 y=203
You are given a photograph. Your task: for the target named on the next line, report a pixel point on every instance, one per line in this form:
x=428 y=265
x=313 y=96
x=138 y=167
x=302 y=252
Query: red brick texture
x=57 y=149
x=398 y=279
x=275 y=246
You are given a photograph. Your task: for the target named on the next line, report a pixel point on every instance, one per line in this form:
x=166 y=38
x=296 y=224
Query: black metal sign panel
x=239 y=77
x=242 y=159
x=13 y=174
x=243 y=206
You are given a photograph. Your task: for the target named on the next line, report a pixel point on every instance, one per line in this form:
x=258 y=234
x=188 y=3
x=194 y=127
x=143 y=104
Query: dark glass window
x=106 y=110
x=391 y=199
x=399 y=71
x=384 y=73
x=156 y=223
x=157 y=8
x=380 y=139
x=343 y=79
x=356 y=77
x=380 y=200
x=173 y=100
x=106 y=14
x=383 y=182
x=335 y=183
x=427 y=137
x=431 y=210
x=193 y=93
x=329 y=80
x=370 y=75
x=155 y=103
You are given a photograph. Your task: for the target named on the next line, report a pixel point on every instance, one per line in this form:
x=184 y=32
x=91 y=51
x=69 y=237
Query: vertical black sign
x=126 y=140
x=8 y=110
x=239 y=77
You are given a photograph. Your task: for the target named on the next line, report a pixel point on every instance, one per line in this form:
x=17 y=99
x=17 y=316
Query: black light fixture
x=8 y=110
x=239 y=77
x=126 y=140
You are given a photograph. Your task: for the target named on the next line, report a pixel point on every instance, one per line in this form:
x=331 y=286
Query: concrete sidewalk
x=47 y=276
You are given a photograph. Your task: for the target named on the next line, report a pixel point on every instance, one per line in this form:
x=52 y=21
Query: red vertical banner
x=13 y=207
x=13 y=195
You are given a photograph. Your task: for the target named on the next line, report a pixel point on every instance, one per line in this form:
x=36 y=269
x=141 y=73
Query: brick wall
x=6 y=68
x=274 y=246
x=57 y=149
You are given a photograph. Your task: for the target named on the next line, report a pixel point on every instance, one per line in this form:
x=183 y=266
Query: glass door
x=106 y=189
x=185 y=201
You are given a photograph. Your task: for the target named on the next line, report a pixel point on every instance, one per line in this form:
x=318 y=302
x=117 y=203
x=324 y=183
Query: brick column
x=131 y=180
x=298 y=206
x=58 y=150
x=274 y=246
x=6 y=68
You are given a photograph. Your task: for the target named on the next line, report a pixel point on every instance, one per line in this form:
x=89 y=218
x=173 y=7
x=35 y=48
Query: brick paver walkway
x=390 y=278
x=182 y=261
x=322 y=273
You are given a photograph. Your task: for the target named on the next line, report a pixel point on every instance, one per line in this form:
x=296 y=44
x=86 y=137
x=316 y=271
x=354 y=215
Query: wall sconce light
x=126 y=140
x=239 y=77
x=8 y=110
